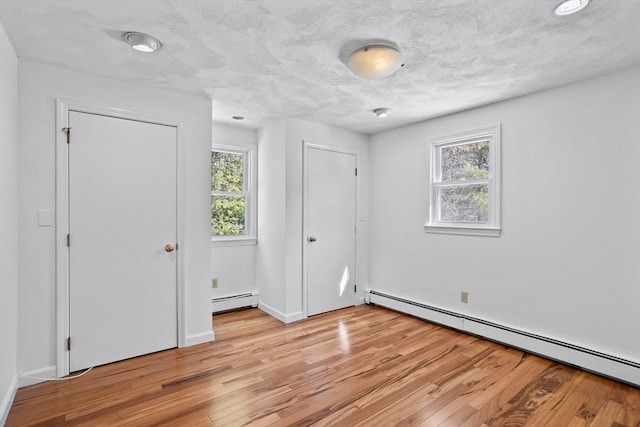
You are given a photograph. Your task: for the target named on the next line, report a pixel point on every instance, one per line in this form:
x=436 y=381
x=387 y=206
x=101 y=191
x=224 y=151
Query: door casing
x=63 y=107
x=305 y=220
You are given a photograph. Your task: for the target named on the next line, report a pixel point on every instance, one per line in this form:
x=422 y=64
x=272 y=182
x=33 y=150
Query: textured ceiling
x=264 y=59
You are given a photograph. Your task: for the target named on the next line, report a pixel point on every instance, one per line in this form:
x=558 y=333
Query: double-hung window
x=233 y=195
x=465 y=183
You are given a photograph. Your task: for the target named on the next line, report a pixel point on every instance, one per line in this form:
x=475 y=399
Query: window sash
x=230 y=193
x=248 y=194
x=439 y=204
x=435 y=222
x=245 y=168
x=438 y=155
x=245 y=216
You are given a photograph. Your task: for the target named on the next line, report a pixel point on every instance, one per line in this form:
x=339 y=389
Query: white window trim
x=251 y=171
x=493 y=226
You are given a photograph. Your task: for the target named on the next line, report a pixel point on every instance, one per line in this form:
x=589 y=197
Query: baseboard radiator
x=590 y=360
x=234 y=302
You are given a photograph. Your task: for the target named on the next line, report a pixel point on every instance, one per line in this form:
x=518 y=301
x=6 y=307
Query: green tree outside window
x=228 y=193
x=462 y=202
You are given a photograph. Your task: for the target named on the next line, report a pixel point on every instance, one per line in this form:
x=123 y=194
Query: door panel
x=122 y=213
x=331 y=221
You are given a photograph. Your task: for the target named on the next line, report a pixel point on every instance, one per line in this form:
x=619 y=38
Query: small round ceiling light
x=382 y=113
x=142 y=42
x=569 y=7
x=375 y=62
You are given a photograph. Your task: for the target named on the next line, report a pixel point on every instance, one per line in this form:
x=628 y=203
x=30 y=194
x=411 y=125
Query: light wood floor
x=362 y=366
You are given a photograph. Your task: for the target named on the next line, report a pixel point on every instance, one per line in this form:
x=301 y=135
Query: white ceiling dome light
x=382 y=113
x=375 y=61
x=142 y=42
x=569 y=7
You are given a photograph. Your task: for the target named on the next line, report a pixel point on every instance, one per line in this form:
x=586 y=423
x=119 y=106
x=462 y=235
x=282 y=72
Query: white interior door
x=330 y=229
x=122 y=213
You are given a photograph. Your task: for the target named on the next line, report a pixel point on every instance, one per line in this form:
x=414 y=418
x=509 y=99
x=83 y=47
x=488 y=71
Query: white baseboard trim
x=233 y=302
x=284 y=318
x=200 y=338
x=42 y=374
x=601 y=363
x=294 y=317
x=7 y=400
x=272 y=312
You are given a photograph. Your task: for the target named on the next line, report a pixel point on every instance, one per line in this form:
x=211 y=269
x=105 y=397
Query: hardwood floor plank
x=629 y=415
x=493 y=398
x=596 y=400
x=524 y=404
x=361 y=366
x=562 y=406
x=608 y=412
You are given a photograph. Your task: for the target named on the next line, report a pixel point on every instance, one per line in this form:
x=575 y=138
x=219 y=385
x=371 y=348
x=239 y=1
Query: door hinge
x=356 y=171
x=355 y=287
x=68 y=240
x=68 y=132
x=68 y=343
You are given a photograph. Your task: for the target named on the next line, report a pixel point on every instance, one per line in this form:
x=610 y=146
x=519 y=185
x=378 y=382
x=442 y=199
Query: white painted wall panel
x=567 y=265
x=270 y=252
x=235 y=269
x=233 y=266
x=298 y=131
x=39 y=85
x=8 y=222
x=280 y=180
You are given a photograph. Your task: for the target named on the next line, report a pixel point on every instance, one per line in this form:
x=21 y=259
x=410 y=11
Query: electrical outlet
x=214 y=283
x=464 y=297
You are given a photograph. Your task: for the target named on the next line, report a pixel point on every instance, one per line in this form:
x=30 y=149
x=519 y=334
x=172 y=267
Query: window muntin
x=232 y=194
x=464 y=183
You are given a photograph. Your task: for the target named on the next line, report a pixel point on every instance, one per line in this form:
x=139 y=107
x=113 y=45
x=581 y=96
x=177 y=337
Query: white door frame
x=63 y=107
x=305 y=216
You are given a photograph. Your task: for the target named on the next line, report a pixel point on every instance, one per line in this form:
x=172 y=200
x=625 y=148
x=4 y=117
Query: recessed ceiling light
x=375 y=62
x=142 y=42
x=569 y=7
x=382 y=113
x=237 y=118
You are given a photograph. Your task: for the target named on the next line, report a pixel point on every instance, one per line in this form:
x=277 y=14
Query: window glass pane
x=228 y=215
x=464 y=203
x=227 y=171
x=465 y=161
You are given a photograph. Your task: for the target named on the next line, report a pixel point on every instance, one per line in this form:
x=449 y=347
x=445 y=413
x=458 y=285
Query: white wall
x=567 y=265
x=299 y=131
x=8 y=222
x=234 y=266
x=270 y=255
x=280 y=209
x=39 y=85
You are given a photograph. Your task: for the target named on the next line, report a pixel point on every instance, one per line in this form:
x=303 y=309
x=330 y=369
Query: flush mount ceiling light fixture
x=142 y=42
x=569 y=7
x=375 y=62
x=382 y=113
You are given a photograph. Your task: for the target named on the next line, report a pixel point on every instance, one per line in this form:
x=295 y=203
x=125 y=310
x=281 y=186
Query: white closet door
x=331 y=228
x=122 y=214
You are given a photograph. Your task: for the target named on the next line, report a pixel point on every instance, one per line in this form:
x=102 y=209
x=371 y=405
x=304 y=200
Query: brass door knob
x=311 y=239
x=169 y=247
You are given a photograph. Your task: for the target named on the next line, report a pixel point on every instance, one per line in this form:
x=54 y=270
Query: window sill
x=246 y=241
x=466 y=231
